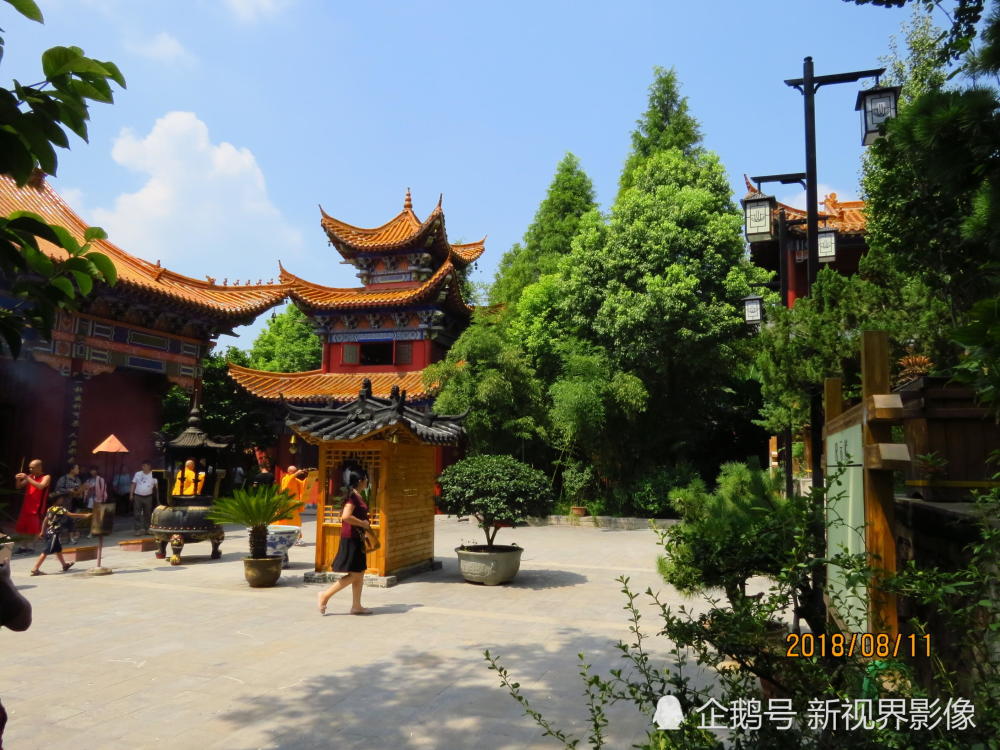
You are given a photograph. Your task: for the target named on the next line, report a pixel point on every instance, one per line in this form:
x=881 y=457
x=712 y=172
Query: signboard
x=845 y=522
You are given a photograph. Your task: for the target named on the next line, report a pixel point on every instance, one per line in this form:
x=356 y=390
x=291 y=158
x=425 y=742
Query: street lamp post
x=808 y=85
x=784 y=270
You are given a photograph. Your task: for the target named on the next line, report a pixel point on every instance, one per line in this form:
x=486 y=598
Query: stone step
x=144 y=544
x=80 y=553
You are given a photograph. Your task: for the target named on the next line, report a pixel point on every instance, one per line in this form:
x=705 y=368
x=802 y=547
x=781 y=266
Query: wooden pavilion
x=395 y=444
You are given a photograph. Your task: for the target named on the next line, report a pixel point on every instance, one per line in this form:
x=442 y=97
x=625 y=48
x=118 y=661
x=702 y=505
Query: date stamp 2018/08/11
x=863 y=645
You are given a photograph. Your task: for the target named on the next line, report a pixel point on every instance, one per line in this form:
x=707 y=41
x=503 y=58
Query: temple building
x=110 y=363
x=847 y=218
x=409 y=310
x=848 y=221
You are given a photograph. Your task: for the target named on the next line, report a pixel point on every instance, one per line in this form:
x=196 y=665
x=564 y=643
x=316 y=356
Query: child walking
x=57 y=520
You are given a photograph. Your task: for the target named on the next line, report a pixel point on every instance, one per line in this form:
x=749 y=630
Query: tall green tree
x=550 y=234
x=32 y=122
x=288 y=343
x=488 y=374
x=659 y=286
x=226 y=408
x=666 y=124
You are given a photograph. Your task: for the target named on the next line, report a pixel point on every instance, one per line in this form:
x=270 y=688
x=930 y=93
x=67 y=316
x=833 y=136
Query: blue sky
x=241 y=116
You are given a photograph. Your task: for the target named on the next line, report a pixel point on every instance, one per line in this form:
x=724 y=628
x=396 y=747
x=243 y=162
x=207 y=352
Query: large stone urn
x=181 y=521
x=489 y=565
x=193 y=479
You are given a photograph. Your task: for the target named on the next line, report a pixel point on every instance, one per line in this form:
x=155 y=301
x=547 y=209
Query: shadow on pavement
x=434 y=699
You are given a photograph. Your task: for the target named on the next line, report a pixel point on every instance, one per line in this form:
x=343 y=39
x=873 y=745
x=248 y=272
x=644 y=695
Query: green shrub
x=256 y=508
x=742 y=529
x=651 y=492
x=494 y=489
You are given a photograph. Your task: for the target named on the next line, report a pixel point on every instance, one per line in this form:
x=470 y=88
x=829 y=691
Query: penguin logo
x=668 y=713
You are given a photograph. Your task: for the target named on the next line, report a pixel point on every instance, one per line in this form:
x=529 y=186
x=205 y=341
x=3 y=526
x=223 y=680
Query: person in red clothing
x=36 y=494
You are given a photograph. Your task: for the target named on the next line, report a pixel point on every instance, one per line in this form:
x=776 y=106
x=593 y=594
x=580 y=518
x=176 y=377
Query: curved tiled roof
x=318 y=297
x=316 y=385
x=368 y=414
x=403 y=231
x=847 y=217
x=220 y=300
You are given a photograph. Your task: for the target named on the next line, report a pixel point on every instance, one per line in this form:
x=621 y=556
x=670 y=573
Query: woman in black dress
x=351 y=558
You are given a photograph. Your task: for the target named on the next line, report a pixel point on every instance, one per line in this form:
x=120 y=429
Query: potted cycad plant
x=494 y=490
x=257 y=508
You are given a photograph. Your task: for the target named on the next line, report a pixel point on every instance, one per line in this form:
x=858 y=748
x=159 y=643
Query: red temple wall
x=126 y=404
x=33 y=398
x=423 y=351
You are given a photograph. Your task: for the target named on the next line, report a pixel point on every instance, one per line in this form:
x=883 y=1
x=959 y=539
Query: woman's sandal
x=37 y=572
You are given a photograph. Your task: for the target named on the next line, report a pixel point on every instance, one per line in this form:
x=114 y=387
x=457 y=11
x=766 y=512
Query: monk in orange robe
x=189 y=480
x=294 y=483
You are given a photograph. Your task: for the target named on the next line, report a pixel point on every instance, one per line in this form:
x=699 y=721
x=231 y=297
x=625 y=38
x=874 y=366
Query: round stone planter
x=489 y=566
x=262 y=572
x=578 y=510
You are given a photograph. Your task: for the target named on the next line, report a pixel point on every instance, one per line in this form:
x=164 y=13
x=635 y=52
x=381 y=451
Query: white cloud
x=204 y=207
x=162 y=47
x=253 y=10
x=798 y=199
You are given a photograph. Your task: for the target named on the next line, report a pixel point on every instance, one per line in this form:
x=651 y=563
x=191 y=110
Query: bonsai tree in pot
x=494 y=490
x=256 y=508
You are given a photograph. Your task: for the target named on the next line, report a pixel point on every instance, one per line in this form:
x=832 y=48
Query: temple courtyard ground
x=190 y=657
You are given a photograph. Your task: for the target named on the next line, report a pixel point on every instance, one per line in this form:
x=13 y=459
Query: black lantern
x=757 y=212
x=826 y=245
x=753 y=309
x=876 y=106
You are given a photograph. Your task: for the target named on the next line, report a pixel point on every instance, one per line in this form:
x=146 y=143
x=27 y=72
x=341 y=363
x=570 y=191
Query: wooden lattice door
x=370 y=456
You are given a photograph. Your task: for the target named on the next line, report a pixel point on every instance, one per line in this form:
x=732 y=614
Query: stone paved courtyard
x=190 y=657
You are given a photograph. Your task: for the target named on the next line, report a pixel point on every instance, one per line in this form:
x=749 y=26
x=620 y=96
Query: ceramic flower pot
x=262 y=572
x=280 y=539
x=489 y=566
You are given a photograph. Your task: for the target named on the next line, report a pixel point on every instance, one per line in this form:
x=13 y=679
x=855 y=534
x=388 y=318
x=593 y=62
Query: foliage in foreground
x=494 y=489
x=729 y=651
x=32 y=122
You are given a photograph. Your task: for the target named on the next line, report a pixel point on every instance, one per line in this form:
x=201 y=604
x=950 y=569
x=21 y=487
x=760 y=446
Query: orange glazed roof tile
x=403 y=231
x=315 y=296
x=847 y=217
x=316 y=385
x=229 y=301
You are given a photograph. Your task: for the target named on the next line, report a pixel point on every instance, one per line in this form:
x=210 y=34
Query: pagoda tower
x=406 y=315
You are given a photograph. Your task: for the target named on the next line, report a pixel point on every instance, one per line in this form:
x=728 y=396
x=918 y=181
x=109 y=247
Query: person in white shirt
x=144 y=490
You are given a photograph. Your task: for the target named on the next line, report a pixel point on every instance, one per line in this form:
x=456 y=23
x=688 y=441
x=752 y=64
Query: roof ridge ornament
x=408 y=201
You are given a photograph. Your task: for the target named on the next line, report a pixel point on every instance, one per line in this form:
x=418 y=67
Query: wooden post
x=833 y=398
x=323 y=480
x=879 y=502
